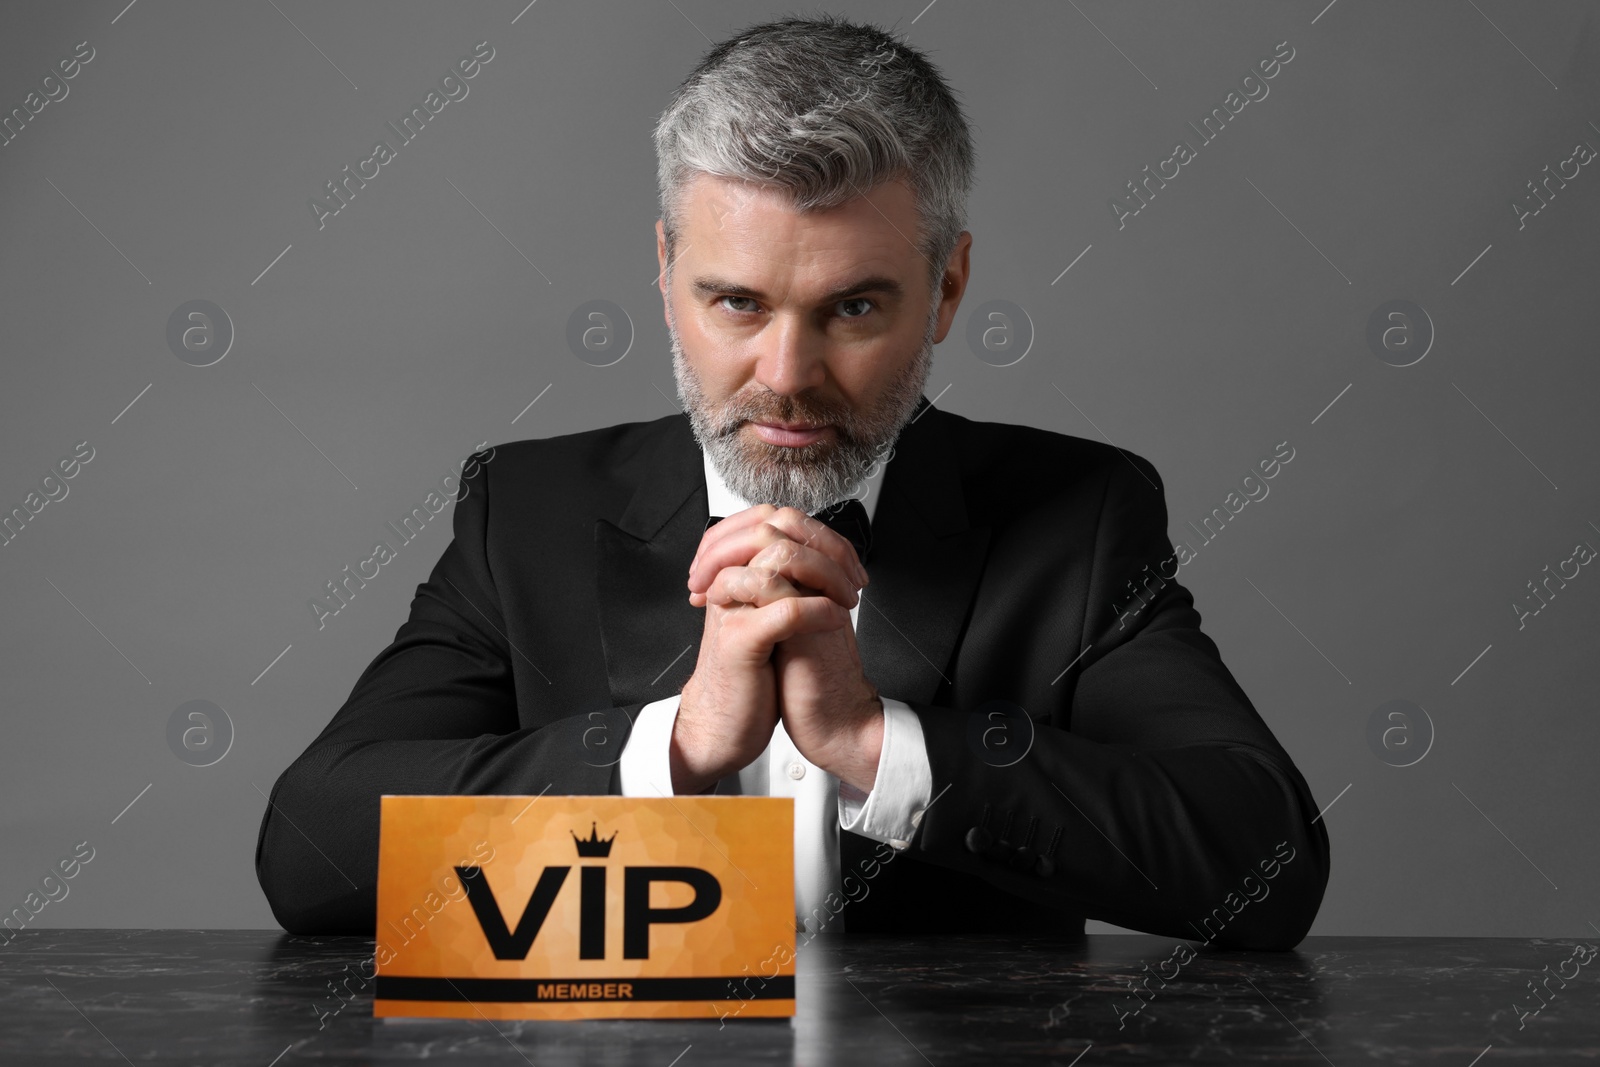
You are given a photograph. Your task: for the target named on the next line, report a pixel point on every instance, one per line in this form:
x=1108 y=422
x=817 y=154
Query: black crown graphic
x=595 y=845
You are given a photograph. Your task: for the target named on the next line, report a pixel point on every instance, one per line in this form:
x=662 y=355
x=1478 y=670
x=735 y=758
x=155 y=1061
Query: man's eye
x=866 y=305
x=744 y=298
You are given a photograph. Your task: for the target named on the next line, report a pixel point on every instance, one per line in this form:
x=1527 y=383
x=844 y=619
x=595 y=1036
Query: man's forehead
x=742 y=227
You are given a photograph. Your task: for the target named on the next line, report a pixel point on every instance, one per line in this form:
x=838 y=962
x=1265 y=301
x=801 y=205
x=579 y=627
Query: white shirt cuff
x=904 y=786
x=645 y=764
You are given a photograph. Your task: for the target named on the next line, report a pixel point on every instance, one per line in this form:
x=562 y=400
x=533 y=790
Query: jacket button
x=1022 y=858
x=979 y=840
x=1044 y=867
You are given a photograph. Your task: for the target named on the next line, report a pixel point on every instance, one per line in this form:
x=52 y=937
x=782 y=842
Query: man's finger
x=760 y=585
x=748 y=585
x=739 y=520
x=754 y=529
x=802 y=565
x=764 y=628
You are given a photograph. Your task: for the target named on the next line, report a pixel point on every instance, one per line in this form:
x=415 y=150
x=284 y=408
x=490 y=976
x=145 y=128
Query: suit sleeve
x=1165 y=804
x=434 y=713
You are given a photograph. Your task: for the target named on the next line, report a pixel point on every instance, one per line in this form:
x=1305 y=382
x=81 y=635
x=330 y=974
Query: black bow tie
x=847 y=518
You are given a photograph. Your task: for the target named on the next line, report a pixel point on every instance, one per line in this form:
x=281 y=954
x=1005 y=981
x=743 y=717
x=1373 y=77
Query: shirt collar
x=724 y=501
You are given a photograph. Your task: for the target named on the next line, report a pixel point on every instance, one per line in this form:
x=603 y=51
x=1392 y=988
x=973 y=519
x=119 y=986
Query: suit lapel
x=650 y=631
x=926 y=559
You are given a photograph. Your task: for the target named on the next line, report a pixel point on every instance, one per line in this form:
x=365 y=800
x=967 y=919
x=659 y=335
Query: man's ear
x=661 y=268
x=956 y=273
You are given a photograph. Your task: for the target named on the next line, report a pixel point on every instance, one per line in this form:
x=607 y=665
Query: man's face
x=801 y=343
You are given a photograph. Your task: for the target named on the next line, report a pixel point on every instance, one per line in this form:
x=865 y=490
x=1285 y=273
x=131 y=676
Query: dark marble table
x=262 y=998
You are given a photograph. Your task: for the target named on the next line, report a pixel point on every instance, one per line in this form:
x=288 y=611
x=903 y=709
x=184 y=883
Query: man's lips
x=778 y=434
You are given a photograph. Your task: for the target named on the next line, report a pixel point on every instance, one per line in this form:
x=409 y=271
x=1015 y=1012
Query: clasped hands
x=777 y=586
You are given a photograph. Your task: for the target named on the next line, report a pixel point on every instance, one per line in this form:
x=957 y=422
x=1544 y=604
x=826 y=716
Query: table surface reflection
x=263 y=998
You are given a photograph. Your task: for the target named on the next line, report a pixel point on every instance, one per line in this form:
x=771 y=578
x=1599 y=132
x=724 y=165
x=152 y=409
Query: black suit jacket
x=1152 y=796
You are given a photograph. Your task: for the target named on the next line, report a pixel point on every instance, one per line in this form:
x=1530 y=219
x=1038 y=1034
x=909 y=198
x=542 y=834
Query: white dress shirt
x=822 y=803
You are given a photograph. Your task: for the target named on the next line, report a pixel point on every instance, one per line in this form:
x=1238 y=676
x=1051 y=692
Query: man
x=980 y=728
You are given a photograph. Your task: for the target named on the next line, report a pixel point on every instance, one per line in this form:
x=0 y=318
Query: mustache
x=784 y=409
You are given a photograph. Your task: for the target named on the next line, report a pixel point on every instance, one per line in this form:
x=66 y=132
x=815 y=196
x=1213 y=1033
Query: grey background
x=1223 y=319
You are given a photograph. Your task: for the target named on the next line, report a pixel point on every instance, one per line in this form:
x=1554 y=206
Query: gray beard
x=809 y=477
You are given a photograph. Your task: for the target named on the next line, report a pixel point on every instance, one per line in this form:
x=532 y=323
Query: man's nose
x=792 y=356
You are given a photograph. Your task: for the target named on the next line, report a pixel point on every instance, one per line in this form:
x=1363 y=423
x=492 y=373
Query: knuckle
x=777 y=553
x=790 y=611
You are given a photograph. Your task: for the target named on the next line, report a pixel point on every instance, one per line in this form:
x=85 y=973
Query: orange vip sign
x=572 y=907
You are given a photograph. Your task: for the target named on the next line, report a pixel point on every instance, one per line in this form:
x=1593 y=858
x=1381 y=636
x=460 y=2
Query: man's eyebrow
x=708 y=286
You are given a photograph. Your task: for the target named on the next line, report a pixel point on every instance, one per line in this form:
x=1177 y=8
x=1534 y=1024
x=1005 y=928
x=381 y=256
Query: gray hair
x=822 y=109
